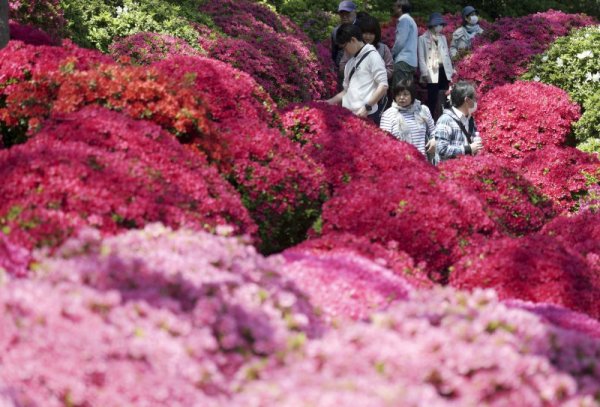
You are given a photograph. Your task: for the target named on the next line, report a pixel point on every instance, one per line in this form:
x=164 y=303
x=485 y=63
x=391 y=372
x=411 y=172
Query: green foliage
x=573 y=63
x=97 y=23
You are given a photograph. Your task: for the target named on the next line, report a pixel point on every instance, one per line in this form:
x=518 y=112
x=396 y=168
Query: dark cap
x=468 y=10
x=435 y=19
x=347 y=6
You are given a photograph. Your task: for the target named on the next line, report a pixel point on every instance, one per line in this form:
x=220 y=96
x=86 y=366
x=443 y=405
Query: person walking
x=435 y=64
x=463 y=36
x=405 y=44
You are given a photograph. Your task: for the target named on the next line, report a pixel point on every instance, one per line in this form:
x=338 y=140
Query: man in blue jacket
x=405 y=45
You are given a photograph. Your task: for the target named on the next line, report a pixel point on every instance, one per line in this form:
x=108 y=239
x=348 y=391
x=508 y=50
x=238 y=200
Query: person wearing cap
x=405 y=44
x=365 y=78
x=435 y=64
x=4 y=29
x=347 y=13
x=462 y=37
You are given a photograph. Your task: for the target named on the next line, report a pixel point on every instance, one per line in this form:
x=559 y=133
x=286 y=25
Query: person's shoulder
x=459 y=32
x=389 y=113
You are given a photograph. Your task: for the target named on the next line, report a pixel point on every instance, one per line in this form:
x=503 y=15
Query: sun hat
x=347 y=6
x=468 y=10
x=435 y=19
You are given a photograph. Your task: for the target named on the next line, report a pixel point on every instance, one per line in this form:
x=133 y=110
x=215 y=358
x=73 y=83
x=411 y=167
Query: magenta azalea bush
x=534 y=268
x=146 y=48
x=513 y=123
x=29 y=34
x=515 y=204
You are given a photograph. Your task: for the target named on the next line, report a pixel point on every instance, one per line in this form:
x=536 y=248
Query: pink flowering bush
x=13 y=259
x=348 y=147
x=431 y=219
x=147 y=47
x=564 y=174
x=440 y=348
x=534 y=268
x=269 y=47
x=513 y=123
x=581 y=233
x=29 y=34
x=103 y=169
x=511 y=201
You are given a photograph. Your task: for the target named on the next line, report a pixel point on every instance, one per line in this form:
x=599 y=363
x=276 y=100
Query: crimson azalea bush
x=342 y=284
x=509 y=199
x=148 y=47
x=580 y=232
x=535 y=268
x=103 y=169
x=29 y=34
x=504 y=51
x=513 y=123
x=440 y=348
x=348 y=147
x=152 y=316
x=431 y=219
x=270 y=47
x=564 y=174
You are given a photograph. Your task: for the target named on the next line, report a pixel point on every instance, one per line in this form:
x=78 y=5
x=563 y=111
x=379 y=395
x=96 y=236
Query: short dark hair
x=369 y=24
x=405 y=84
x=404 y=6
x=345 y=33
x=461 y=91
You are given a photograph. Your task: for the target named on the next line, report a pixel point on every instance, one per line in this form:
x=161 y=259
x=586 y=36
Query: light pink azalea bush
x=145 y=48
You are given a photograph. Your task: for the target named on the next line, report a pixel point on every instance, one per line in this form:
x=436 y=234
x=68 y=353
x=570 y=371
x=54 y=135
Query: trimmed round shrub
x=440 y=348
x=510 y=200
x=563 y=174
x=534 y=268
x=431 y=219
x=513 y=123
x=147 y=47
x=103 y=169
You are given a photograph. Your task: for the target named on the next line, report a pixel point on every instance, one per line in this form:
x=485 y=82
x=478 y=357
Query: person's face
x=352 y=46
x=396 y=9
x=404 y=99
x=347 y=17
x=369 y=38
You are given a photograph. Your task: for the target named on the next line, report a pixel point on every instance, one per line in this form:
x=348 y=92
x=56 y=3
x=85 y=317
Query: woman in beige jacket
x=435 y=64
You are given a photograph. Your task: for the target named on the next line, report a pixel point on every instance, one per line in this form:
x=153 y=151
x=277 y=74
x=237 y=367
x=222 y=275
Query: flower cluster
x=45 y=14
x=478 y=352
x=14 y=259
x=29 y=34
x=151 y=317
x=504 y=51
x=511 y=201
x=535 y=268
x=512 y=123
x=431 y=219
x=270 y=48
x=101 y=168
x=563 y=174
x=146 y=48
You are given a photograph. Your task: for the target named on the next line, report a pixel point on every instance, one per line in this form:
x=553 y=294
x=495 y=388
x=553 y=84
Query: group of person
x=367 y=68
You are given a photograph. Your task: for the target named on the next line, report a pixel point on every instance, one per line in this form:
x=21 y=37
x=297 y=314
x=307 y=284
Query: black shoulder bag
x=357 y=64
x=464 y=130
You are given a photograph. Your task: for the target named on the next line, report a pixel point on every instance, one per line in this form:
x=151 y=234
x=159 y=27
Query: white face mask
x=473 y=20
x=473 y=109
x=438 y=28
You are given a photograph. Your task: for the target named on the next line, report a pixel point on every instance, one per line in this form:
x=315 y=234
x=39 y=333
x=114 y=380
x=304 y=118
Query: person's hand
x=430 y=146
x=362 y=112
x=329 y=101
x=476 y=146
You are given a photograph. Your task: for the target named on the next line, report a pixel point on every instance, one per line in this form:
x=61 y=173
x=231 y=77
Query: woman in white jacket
x=435 y=64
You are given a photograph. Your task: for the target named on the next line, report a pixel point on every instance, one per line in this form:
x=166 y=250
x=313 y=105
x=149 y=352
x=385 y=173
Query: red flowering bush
x=147 y=47
x=581 y=233
x=534 y=268
x=388 y=255
x=269 y=47
x=348 y=147
x=431 y=219
x=513 y=123
x=512 y=202
x=503 y=52
x=564 y=174
x=103 y=169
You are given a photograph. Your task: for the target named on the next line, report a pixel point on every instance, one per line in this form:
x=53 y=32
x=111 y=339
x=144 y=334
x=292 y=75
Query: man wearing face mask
x=435 y=64
x=462 y=37
x=455 y=132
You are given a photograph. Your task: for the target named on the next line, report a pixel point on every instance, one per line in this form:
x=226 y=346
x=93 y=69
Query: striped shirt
x=419 y=130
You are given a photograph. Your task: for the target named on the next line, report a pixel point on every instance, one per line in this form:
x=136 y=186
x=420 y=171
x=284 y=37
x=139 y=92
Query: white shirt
x=366 y=79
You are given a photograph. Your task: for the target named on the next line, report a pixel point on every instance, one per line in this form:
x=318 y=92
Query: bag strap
x=357 y=64
x=463 y=129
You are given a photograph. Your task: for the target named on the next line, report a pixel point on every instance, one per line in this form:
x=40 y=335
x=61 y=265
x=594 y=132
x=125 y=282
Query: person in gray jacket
x=435 y=64
x=4 y=30
x=463 y=36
